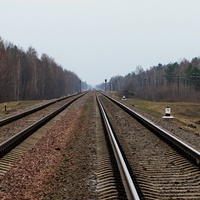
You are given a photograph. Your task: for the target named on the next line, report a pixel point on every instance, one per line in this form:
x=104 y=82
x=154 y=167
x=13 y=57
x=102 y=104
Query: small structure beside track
x=167 y=113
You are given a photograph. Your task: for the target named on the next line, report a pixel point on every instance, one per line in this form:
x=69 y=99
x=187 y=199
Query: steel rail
x=12 y=142
x=126 y=177
x=175 y=141
x=28 y=112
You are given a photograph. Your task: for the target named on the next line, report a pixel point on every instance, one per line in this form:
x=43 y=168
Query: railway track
x=156 y=170
x=160 y=165
x=28 y=112
x=19 y=132
x=128 y=184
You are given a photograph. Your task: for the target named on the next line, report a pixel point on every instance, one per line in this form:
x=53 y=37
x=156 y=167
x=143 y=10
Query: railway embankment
x=70 y=160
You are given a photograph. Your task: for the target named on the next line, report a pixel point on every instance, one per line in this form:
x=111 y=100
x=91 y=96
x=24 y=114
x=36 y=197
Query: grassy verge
x=16 y=105
x=185 y=114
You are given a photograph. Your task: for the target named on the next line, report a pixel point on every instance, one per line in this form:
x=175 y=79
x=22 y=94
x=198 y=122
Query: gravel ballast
x=62 y=165
x=57 y=166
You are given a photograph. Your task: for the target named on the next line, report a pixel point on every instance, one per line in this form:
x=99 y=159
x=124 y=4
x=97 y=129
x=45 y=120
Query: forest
x=24 y=76
x=178 y=82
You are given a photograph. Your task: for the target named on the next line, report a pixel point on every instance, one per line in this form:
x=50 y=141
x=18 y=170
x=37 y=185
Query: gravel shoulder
x=63 y=164
x=58 y=166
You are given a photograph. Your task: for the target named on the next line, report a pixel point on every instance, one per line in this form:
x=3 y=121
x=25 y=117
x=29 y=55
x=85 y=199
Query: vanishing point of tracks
x=158 y=169
x=16 y=129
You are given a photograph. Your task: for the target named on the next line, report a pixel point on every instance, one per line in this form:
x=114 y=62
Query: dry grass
x=185 y=114
x=16 y=105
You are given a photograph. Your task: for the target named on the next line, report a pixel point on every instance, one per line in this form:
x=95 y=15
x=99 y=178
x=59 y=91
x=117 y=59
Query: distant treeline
x=24 y=76
x=171 y=82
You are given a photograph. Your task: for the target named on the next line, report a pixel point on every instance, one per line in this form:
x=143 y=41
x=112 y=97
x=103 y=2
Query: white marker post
x=123 y=98
x=167 y=113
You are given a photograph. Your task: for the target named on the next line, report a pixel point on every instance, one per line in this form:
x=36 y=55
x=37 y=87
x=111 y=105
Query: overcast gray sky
x=98 y=39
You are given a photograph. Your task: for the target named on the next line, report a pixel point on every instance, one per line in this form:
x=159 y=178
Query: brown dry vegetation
x=185 y=114
x=18 y=106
